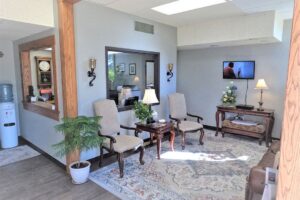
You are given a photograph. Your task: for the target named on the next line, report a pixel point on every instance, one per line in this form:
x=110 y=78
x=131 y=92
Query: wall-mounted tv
x=238 y=69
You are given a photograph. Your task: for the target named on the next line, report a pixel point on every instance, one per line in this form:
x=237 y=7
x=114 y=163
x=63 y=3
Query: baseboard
x=24 y=141
x=213 y=128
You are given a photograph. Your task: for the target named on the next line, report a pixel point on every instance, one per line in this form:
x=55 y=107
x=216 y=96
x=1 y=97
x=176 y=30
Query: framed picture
x=121 y=67
x=132 y=69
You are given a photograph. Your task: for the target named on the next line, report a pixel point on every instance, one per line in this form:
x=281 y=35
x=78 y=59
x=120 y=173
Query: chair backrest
x=177 y=106
x=108 y=110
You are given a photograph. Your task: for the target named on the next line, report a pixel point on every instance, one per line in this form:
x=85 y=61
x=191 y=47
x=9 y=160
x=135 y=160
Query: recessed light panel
x=186 y=5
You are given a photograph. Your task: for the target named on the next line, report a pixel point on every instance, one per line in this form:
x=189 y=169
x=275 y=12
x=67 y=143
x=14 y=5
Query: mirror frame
x=24 y=52
x=156 y=60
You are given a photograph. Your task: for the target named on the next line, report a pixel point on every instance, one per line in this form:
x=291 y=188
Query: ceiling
x=13 y=30
x=231 y=8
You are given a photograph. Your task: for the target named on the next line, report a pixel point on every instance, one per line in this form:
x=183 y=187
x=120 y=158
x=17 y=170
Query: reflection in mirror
x=129 y=73
x=39 y=77
x=150 y=74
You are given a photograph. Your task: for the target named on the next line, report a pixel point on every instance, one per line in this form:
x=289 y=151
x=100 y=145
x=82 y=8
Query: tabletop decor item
x=229 y=95
x=261 y=85
x=150 y=99
x=142 y=111
x=80 y=134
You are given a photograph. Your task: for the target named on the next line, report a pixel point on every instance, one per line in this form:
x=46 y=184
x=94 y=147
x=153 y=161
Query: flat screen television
x=238 y=69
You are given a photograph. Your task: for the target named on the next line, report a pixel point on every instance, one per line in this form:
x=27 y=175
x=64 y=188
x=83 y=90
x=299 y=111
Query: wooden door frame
x=289 y=168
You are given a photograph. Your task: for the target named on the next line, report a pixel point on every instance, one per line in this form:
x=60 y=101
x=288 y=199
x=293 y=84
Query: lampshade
x=150 y=97
x=261 y=84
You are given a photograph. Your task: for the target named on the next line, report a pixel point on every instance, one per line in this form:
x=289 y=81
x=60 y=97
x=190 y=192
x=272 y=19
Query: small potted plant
x=229 y=96
x=80 y=134
x=142 y=112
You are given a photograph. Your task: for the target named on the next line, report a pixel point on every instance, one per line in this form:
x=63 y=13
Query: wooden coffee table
x=158 y=130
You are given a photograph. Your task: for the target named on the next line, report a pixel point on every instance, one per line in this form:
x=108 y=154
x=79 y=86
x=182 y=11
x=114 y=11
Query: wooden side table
x=267 y=115
x=158 y=129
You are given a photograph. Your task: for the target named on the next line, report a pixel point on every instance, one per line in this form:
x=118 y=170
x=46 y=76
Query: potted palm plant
x=80 y=133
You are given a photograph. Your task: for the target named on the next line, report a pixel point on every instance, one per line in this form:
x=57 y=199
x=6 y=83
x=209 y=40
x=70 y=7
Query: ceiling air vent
x=142 y=27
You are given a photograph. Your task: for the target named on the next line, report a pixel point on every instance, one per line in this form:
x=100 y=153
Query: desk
x=267 y=115
x=158 y=130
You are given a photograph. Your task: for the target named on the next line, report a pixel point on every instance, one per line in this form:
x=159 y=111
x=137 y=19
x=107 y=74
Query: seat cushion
x=189 y=126
x=124 y=143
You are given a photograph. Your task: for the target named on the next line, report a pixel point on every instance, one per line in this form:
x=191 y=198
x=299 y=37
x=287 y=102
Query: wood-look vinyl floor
x=39 y=178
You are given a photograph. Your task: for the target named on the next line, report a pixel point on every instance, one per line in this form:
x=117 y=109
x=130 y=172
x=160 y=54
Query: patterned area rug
x=8 y=156
x=216 y=170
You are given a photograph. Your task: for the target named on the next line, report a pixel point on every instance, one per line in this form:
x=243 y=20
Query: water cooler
x=8 y=128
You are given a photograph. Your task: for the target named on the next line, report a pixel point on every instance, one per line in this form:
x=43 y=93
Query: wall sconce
x=91 y=73
x=170 y=72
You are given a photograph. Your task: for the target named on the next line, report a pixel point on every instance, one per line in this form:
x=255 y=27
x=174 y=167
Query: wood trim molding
x=24 y=50
x=289 y=168
x=67 y=56
x=68 y=65
x=53 y=114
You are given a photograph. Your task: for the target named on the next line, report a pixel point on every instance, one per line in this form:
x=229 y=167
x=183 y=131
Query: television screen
x=238 y=69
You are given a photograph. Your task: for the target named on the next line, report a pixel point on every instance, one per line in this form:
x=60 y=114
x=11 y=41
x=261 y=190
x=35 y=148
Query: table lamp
x=149 y=99
x=261 y=85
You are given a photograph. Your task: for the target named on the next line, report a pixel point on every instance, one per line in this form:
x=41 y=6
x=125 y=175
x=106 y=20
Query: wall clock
x=44 y=66
x=44 y=72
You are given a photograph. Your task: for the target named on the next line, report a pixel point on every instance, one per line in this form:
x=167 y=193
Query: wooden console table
x=158 y=129
x=267 y=115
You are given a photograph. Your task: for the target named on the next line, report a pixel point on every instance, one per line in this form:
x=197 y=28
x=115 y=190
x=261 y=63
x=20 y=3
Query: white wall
x=35 y=128
x=7 y=71
x=29 y=11
x=232 y=31
x=199 y=77
x=97 y=27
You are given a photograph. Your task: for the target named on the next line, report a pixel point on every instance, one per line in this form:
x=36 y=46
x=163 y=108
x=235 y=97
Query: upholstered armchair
x=178 y=112
x=110 y=128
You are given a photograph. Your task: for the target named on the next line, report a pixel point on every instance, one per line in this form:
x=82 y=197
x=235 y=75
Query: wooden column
x=289 y=169
x=68 y=63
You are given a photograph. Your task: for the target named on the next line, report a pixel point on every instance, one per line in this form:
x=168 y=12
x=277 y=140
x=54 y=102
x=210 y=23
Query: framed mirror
x=39 y=77
x=129 y=72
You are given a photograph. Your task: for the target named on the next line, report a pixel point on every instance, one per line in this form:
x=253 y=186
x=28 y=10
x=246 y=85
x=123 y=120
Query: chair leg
x=201 y=136
x=223 y=134
x=121 y=164
x=101 y=156
x=183 y=140
x=142 y=149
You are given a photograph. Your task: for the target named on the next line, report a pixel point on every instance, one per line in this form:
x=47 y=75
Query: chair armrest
x=195 y=116
x=175 y=119
x=256 y=179
x=136 y=131
x=111 y=138
x=127 y=127
x=108 y=136
x=178 y=121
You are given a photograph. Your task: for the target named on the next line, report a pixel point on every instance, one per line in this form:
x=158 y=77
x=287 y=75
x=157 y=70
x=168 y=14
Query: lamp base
x=260 y=106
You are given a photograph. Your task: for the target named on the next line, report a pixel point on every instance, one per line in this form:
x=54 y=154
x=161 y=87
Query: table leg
x=172 y=137
x=158 y=139
x=151 y=138
x=217 y=122
x=267 y=122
